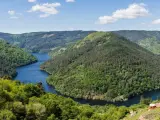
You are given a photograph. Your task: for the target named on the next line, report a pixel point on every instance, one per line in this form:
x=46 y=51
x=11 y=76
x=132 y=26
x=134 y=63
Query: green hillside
x=12 y=57
x=104 y=66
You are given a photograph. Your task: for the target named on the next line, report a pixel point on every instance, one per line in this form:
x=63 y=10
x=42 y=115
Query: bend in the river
x=32 y=74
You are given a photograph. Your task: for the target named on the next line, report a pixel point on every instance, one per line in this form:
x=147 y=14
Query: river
x=32 y=74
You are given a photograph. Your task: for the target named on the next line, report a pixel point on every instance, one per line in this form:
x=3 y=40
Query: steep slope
x=44 y=41
x=12 y=57
x=104 y=66
x=147 y=39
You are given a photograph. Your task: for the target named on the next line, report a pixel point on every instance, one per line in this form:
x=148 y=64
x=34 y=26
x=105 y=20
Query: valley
x=79 y=60
x=92 y=71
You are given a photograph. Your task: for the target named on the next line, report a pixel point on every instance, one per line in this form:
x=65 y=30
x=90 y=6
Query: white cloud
x=11 y=12
x=14 y=17
x=107 y=19
x=70 y=0
x=155 y=22
x=46 y=8
x=133 y=11
x=143 y=23
x=32 y=0
x=19 y=14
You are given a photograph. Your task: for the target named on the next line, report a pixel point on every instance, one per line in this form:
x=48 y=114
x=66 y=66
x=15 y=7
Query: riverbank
x=154 y=95
x=32 y=62
x=32 y=73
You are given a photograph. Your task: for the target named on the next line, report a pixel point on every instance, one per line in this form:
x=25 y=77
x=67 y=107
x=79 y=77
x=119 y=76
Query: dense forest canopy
x=29 y=102
x=44 y=41
x=12 y=57
x=100 y=65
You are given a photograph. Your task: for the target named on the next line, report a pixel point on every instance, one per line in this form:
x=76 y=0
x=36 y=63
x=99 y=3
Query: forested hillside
x=147 y=39
x=44 y=41
x=104 y=66
x=12 y=57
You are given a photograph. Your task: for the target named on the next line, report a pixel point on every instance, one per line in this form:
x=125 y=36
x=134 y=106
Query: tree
x=51 y=117
x=7 y=115
x=19 y=110
x=145 y=101
x=35 y=111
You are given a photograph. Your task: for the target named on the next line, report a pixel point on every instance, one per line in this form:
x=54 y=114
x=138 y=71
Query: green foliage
x=19 y=110
x=12 y=57
x=51 y=117
x=33 y=90
x=35 y=111
x=57 y=51
x=7 y=115
x=100 y=65
x=145 y=101
x=47 y=106
x=137 y=106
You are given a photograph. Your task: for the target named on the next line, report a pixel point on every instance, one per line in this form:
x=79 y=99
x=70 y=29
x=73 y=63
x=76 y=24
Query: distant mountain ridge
x=147 y=39
x=44 y=41
x=47 y=41
x=137 y=35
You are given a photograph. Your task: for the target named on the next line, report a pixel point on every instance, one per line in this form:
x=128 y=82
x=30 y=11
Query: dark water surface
x=33 y=74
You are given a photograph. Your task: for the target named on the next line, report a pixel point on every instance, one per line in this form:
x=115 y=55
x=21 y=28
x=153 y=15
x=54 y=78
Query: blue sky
x=19 y=16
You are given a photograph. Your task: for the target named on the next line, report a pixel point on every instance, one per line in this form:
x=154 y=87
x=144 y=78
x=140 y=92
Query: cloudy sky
x=19 y=16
